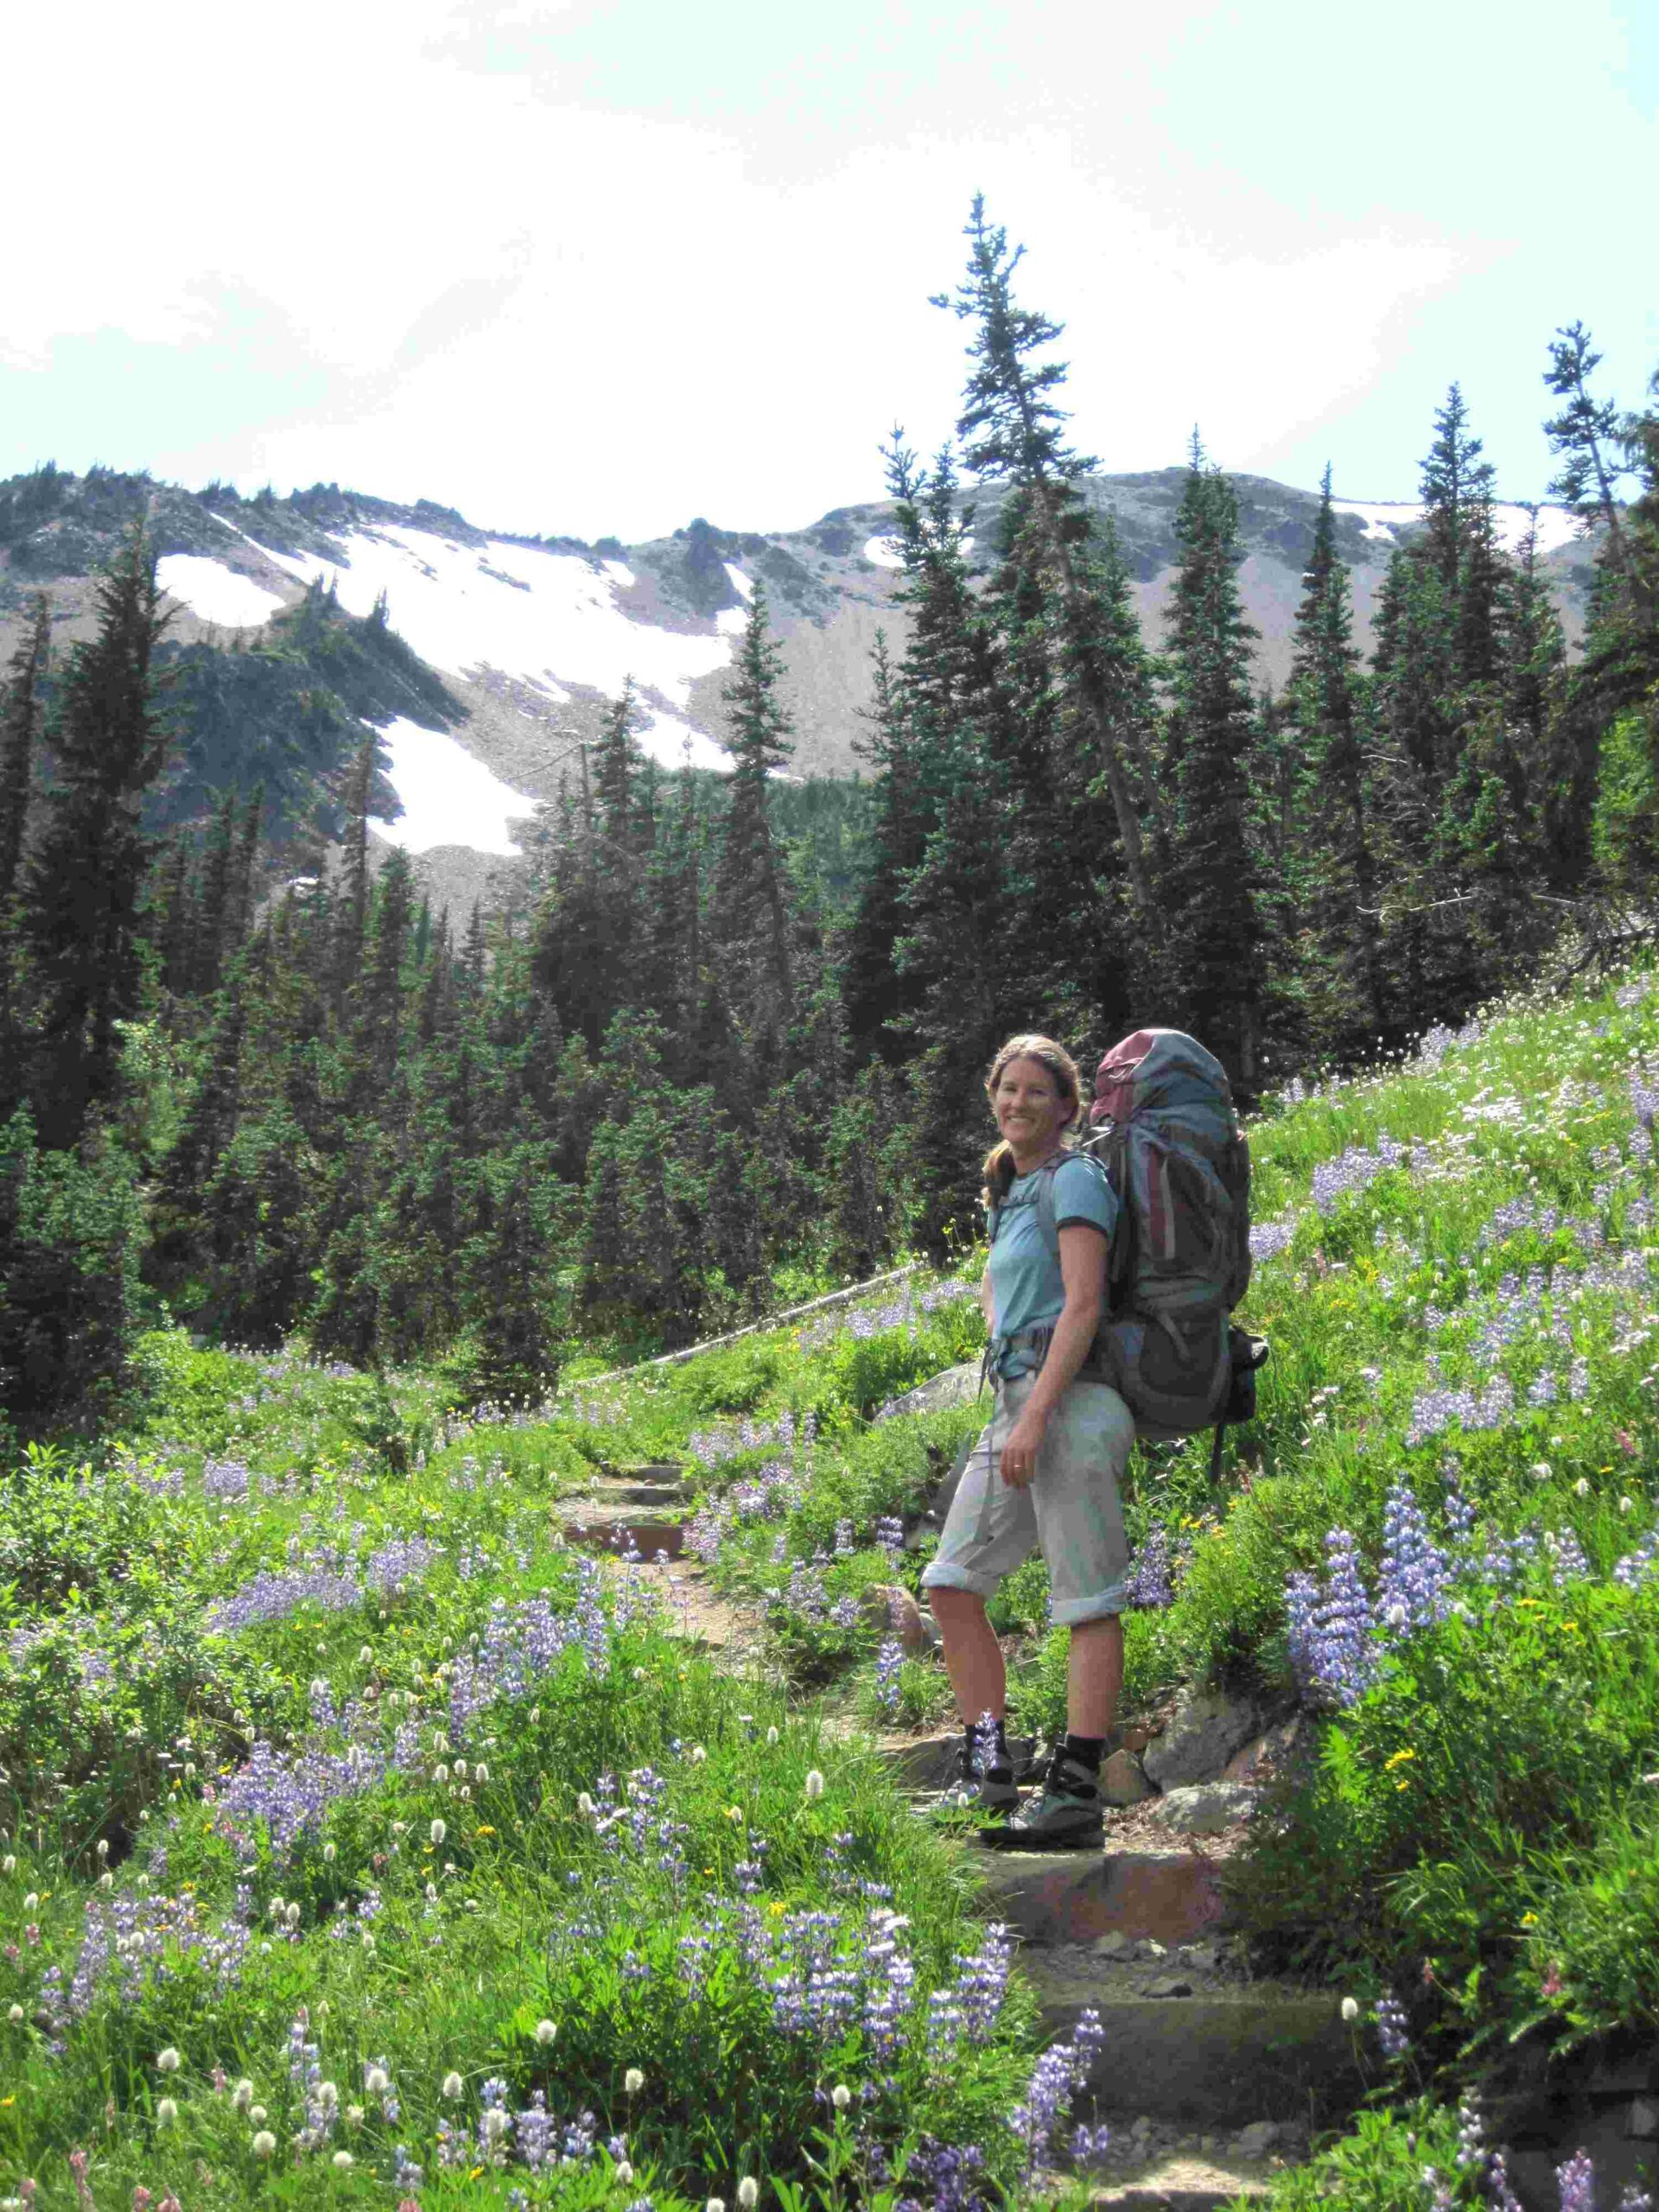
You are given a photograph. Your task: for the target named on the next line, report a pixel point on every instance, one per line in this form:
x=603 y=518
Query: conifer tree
x=20 y=710
x=1323 y=704
x=87 y=868
x=1585 y=434
x=750 y=919
x=1207 y=872
x=20 y=705
x=1010 y=428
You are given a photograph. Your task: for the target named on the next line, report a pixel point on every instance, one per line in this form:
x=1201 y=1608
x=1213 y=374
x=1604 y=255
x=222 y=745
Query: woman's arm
x=988 y=1300
x=1083 y=1270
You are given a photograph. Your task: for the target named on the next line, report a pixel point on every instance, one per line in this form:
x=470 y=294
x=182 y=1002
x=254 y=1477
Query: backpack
x=1165 y=1136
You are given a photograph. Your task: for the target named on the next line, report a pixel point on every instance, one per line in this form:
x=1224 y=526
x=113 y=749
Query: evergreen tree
x=1585 y=434
x=1331 y=808
x=86 y=871
x=20 y=704
x=750 y=921
x=1010 y=428
x=1208 y=873
x=20 y=707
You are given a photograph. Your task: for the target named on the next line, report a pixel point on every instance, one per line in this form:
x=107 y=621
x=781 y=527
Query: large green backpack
x=1164 y=1133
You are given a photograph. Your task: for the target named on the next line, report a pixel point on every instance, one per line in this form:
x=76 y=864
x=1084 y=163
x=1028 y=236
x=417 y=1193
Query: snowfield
x=1383 y=518
x=214 y=593
x=448 y=797
x=550 y=620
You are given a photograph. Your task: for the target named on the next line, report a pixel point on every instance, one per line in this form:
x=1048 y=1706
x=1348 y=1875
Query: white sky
x=604 y=265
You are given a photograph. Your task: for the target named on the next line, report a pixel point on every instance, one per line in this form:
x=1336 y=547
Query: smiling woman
x=1046 y=1471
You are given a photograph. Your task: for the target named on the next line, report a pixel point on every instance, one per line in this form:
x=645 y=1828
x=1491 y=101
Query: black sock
x=993 y=1751
x=1081 y=1754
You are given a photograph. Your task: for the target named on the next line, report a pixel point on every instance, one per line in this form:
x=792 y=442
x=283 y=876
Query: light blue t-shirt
x=1026 y=1286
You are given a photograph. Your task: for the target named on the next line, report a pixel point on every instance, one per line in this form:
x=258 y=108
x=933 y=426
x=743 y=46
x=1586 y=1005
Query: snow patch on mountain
x=214 y=593
x=674 y=744
x=1383 y=518
x=448 y=796
x=550 y=620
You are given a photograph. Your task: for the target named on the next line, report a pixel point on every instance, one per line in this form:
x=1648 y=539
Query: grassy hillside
x=357 y=1826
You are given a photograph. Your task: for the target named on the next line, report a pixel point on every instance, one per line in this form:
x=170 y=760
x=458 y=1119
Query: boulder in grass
x=1122 y=1781
x=1200 y=1808
x=957 y=1386
x=892 y=1609
x=1206 y=1728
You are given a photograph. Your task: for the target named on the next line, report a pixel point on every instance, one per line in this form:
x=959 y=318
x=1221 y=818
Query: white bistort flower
x=545 y=2031
x=814 y=1784
x=452 y=2086
x=263 y=2143
x=633 y=2081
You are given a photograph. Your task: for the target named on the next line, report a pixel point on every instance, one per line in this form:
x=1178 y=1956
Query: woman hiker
x=1047 y=1471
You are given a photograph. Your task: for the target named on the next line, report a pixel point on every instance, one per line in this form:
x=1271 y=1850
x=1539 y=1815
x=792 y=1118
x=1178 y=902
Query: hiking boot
x=970 y=1797
x=1061 y=1817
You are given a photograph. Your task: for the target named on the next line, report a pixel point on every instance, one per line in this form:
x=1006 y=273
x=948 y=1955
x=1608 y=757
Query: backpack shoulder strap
x=1046 y=1221
x=1047 y=1216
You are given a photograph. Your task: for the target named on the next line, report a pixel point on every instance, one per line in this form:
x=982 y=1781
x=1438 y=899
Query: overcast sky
x=599 y=268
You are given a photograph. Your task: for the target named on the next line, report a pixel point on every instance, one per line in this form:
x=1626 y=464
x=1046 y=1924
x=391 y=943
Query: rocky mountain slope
x=485 y=659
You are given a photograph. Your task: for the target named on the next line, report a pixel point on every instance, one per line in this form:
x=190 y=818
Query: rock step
x=1226 y=2054
x=1186 y=2184
x=1056 y=1898
x=624 y=1490
x=614 y=1528
x=647 y=1471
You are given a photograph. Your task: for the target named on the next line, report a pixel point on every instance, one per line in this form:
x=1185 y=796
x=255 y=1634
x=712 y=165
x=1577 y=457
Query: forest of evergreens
x=740 y=1029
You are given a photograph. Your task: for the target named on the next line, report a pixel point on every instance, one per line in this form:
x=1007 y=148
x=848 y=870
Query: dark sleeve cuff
x=1080 y=1221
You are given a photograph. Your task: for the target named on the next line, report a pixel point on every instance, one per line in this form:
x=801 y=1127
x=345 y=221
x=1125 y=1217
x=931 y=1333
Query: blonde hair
x=999 y=1160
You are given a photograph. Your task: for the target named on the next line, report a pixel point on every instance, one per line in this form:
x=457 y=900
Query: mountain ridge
x=521 y=639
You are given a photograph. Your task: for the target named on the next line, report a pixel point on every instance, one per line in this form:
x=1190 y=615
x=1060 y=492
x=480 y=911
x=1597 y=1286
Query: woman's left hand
x=1018 y=1462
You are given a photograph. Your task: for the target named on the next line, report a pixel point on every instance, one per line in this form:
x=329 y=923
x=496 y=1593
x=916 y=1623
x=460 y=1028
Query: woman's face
x=1029 y=1108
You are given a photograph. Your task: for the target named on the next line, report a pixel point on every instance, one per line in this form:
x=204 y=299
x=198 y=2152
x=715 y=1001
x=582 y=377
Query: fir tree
x=750 y=919
x=1333 y=803
x=20 y=708
x=1011 y=427
x=1208 y=873
x=86 y=871
x=1585 y=434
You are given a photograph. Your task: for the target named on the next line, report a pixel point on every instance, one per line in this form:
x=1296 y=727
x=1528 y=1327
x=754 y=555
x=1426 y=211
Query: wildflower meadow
x=367 y=1838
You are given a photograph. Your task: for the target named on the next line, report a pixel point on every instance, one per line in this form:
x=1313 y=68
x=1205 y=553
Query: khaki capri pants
x=1071 y=1507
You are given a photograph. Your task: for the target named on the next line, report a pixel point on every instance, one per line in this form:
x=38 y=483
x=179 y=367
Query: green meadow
x=367 y=1840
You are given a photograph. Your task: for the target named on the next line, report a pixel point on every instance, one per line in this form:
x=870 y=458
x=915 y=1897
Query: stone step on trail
x=1136 y=1888
x=1185 y=2182
x=620 y=1528
x=623 y=1489
x=1053 y=1898
x=1228 y=2054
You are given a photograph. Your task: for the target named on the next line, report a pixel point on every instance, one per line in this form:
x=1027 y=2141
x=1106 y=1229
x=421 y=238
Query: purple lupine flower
x=1576 y=2182
x=1499 y=2195
x=1270 y=1238
x=226 y=1479
x=1054 y=2080
x=1149 y=1581
x=1393 y=2030
x=1415 y=1573
x=1331 y=1647
x=1455 y=1504
x=888 y=1661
